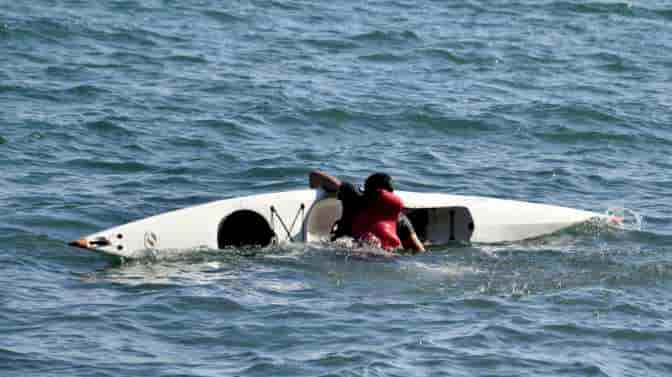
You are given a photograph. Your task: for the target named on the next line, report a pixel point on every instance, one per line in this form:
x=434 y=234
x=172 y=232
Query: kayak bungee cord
x=274 y=213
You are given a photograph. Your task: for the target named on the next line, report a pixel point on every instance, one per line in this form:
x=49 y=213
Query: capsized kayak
x=309 y=215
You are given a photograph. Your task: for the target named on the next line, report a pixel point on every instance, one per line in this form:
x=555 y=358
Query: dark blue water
x=113 y=111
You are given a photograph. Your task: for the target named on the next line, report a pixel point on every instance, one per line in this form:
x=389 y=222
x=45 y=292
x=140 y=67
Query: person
x=370 y=215
x=376 y=221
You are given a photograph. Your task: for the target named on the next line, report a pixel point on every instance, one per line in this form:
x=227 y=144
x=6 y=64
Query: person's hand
x=314 y=179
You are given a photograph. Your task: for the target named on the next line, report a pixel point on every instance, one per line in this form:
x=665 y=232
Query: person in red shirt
x=372 y=215
x=376 y=221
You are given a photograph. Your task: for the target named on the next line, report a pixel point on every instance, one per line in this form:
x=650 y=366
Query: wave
x=199 y=263
x=52 y=222
x=222 y=16
x=435 y=52
x=438 y=121
x=106 y=166
x=78 y=92
x=281 y=172
x=381 y=36
x=10 y=88
x=227 y=127
x=127 y=37
x=332 y=45
x=187 y=59
x=640 y=274
x=31 y=247
x=570 y=135
x=644 y=10
x=622 y=8
x=333 y=115
x=612 y=62
x=63 y=71
x=133 y=58
x=17 y=363
x=60 y=30
x=193 y=142
x=42 y=28
x=205 y=303
x=384 y=58
x=564 y=134
x=84 y=90
x=577 y=111
x=110 y=127
x=664 y=13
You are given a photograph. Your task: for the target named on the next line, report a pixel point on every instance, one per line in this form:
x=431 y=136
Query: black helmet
x=378 y=181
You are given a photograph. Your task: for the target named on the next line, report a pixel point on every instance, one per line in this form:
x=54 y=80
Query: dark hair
x=377 y=181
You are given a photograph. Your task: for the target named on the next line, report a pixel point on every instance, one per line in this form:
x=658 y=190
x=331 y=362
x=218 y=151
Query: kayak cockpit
x=244 y=228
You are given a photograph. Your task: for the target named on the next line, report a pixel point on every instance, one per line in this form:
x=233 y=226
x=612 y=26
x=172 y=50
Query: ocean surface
x=111 y=111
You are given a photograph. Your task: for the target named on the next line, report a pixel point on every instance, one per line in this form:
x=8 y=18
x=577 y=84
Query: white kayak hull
x=308 y=216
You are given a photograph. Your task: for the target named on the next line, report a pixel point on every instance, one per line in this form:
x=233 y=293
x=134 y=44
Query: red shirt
x=379 y=219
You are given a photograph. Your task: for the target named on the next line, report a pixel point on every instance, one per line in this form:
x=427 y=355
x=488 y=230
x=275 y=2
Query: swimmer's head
x=378 y=181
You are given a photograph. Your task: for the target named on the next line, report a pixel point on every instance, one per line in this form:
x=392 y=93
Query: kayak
x=309 y=216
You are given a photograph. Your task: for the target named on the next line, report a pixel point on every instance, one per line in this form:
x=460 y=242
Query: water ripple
x=223 y=17
x=108 y=166
x=332 y=45
x=382 y=36
x=444 y=54
x=384 y=58
x=621 y=8
x=108 y=127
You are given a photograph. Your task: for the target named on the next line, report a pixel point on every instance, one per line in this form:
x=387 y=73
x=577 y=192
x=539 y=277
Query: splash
x=192 y=255
x=350 y=248
x=625 y=218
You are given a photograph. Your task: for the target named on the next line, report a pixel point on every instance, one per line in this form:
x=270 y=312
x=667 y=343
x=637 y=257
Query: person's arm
x=318 y=178
x=412 y=242
x=409 y=238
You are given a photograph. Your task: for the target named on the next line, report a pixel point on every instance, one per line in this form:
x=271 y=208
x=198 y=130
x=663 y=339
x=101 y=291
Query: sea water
x=113 y=111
